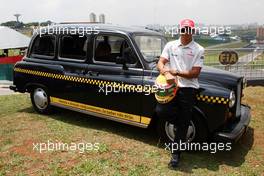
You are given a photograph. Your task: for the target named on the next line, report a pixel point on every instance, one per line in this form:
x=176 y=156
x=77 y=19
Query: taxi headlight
x=232 y=99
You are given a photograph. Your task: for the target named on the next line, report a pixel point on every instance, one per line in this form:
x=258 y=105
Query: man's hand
x=193 y=73
x=164 y=70
x=169 y=78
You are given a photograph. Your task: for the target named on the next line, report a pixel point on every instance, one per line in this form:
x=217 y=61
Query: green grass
x=123 y=149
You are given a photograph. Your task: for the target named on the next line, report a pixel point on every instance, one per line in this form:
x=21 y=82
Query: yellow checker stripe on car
x=212 y=99
x=129 y=87
x=103 y=111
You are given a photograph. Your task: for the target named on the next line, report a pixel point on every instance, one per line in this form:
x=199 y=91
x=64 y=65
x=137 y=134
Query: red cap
x=187 y=23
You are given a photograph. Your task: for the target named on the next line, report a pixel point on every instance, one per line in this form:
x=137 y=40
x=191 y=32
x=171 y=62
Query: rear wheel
x=40 y=100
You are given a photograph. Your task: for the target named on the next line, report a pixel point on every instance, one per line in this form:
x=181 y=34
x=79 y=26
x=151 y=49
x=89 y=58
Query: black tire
x=200 y=130
x=40 y=100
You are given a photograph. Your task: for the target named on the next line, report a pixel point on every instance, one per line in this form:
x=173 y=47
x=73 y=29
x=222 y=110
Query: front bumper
x=238 y=129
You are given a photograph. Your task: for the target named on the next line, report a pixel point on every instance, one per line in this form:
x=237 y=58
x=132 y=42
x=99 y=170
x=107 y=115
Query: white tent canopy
x=9 y=38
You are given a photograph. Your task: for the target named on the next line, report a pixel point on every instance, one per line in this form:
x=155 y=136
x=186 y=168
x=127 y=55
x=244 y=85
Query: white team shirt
x=183 y=58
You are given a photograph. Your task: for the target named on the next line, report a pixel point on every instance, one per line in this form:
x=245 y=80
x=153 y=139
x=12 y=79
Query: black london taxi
x=107 y=71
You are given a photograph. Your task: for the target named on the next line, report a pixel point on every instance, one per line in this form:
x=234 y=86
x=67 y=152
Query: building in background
x=260 y=35
x=101 y=18
x=12 y=47
x=92 y=18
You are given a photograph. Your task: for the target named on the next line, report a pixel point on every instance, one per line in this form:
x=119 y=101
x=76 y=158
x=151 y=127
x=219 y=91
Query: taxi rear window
x=44 y=46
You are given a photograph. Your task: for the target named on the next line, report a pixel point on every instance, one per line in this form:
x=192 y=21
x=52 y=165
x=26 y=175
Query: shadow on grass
x=88 y=121
x=212 y=161
x=190 y=160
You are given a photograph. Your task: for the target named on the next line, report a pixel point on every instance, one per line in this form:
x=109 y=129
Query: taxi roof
x=101 y=27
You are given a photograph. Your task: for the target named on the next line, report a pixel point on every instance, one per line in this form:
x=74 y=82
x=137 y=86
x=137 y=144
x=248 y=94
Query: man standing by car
x=185 y=60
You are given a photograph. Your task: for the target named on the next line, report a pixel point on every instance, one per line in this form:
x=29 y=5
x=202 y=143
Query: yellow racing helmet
x=166 y=91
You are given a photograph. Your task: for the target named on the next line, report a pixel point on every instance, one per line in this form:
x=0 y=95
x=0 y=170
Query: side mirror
x=125 y=58
x=122 y=60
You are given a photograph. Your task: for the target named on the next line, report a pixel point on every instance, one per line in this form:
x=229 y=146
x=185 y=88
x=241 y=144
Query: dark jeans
x=179 y=112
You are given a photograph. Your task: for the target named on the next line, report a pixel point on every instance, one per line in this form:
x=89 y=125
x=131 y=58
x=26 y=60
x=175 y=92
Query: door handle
x=93 y=73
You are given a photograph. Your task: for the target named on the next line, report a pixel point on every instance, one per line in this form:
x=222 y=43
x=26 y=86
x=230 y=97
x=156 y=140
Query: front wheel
x=197 y=130
x=40 y=100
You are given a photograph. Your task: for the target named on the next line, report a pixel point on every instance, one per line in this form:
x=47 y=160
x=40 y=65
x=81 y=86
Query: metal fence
x=250 y=63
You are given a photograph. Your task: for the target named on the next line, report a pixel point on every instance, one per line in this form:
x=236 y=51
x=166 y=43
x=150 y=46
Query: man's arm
x=164 y=59
x=161 y=64
x=193 y=73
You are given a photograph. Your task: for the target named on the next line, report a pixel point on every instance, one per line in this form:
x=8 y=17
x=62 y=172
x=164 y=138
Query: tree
x=46 y=23
x=32 y=24
x=13 y=24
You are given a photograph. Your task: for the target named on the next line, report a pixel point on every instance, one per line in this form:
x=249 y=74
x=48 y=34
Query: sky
x=136 y=12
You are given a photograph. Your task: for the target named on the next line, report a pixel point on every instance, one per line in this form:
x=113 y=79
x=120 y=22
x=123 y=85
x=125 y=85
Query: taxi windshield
x=150 y=46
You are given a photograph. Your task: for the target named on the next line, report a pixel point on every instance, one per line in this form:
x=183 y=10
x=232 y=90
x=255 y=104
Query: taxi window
x=108 y=48
x=73 y=47
x=44 y=46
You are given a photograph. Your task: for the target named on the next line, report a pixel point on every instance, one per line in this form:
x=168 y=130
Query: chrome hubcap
x=40 y=98
x=171 y=131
